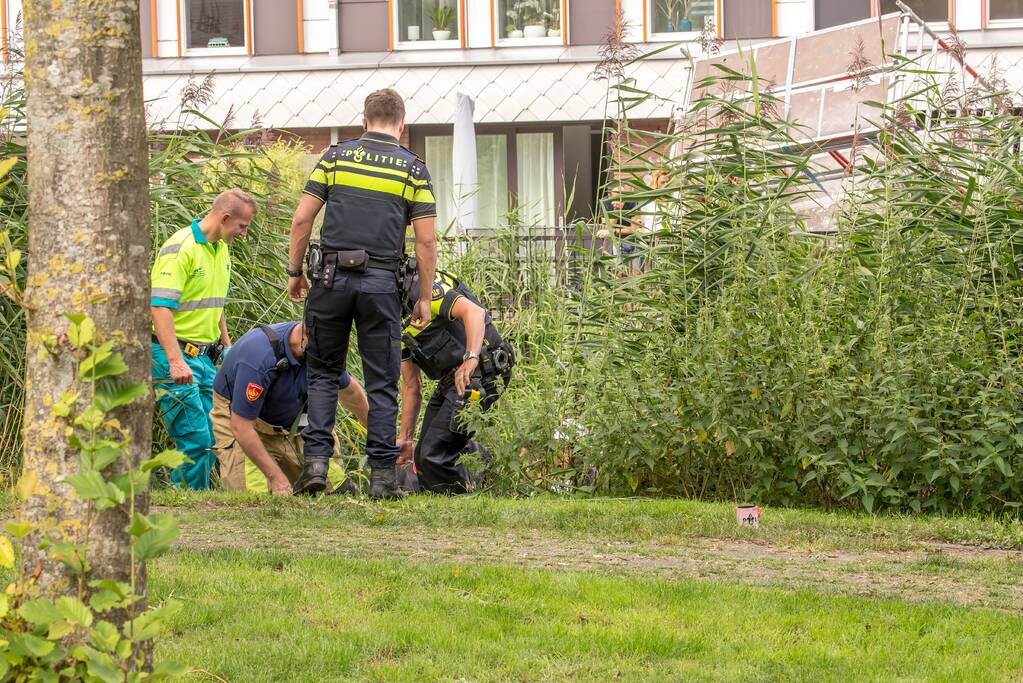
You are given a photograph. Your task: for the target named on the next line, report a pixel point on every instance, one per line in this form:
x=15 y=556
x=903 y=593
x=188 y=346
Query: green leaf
x=89 y=485
x=74 y=610
x=81 y=333
x=170 y=458
x=91 y=419
x=59 y=629
x=103 y=666
x=140 y=524
x=28 y=645
x=105 y=636
x=1003 y=466
x=75 y=318
x=73 y=556
x=157 y=540
x=103 y=457
x=10 y=162
x=39 y=612
x=112 y=394
x=169 y=671
x=6 y=553
x=13 y=259
x=18 y=529
x=110 y=367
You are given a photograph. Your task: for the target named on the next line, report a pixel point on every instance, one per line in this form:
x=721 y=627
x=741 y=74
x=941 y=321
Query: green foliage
x=74 y=637
x=874 y=367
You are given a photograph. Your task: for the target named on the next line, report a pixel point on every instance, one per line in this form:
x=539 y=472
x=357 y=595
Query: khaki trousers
x=239 y=473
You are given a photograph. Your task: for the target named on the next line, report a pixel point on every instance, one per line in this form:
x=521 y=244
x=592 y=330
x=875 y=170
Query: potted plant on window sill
x=441 y=17
x=552 y=20
x=513 y=29
x=529 y=14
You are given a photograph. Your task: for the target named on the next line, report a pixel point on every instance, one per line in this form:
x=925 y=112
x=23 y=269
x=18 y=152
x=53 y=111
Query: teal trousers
x=185 y=409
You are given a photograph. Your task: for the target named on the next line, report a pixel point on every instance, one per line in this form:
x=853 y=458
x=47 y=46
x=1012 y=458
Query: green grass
x=551 y=590
x=259 y=616
x=629 y=519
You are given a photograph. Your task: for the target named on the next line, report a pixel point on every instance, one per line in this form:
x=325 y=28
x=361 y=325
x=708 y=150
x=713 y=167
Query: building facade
x=305 y=66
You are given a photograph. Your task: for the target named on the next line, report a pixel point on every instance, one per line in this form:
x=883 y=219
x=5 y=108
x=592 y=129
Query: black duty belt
x=392 y=265
x=193 y=349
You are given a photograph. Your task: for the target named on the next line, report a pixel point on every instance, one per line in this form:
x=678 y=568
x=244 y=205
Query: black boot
x=314 y=475
x=383 y=483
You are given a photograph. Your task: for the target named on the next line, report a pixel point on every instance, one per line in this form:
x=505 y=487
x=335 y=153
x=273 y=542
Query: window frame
x=495 y=29
x=187 y=51
x=397 y=43
x=649 y=6
x=999 y=23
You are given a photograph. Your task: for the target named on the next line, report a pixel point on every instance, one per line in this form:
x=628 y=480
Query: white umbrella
x=467 y=188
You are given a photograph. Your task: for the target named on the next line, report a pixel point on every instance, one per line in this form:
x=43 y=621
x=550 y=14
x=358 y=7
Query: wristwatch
x=293 y=273
x=470 y=354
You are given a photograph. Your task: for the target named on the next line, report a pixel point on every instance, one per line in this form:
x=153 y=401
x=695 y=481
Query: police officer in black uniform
x=463 y=350
x=373 y=188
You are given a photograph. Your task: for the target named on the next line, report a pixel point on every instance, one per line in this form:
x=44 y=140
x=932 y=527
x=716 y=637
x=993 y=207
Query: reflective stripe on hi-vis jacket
x=372 y=187
x=191 y=277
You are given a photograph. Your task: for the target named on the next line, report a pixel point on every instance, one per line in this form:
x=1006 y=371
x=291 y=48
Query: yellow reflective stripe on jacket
x=191 y=278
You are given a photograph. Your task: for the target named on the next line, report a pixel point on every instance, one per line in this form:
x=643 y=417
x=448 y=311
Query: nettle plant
x=76 y=637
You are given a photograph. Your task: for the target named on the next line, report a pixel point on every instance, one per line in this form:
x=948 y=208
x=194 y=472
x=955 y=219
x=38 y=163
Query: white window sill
x=215 y=52
x=1005 y=23
x=428 y=44
x=674 y=37
x=528 y=42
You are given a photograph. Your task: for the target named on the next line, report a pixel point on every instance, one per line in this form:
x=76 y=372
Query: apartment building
x=304 y=66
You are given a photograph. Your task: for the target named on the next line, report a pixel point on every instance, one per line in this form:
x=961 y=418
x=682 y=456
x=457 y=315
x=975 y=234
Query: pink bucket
x=748 y=515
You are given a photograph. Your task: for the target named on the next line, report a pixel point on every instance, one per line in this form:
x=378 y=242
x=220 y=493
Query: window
x=491 y=173
x=670 y=17
x=1005 y=10
x=427 y=24
x=521 y=22
x=535 y=172
x=928 y=10
x=830 y=13
x=515 y=171
x=215 y=26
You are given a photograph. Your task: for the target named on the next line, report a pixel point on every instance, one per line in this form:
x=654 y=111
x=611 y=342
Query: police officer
x=189 y=287
x=463 y=350
x=259 y=395
x=373 y=188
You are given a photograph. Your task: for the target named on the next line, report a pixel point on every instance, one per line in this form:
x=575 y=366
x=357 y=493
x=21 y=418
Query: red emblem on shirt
x=253 y=391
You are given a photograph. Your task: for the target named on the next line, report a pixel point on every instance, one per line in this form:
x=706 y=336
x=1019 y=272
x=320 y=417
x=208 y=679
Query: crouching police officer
x=258 y=397
x=372 y=188
x=463 y=350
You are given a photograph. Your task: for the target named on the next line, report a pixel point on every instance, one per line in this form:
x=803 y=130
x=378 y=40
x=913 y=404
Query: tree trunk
x=89 y=246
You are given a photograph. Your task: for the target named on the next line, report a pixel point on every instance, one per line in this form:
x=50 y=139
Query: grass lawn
x=552 y=590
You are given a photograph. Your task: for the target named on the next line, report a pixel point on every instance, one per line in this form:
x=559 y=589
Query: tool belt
x=322 y=264
x=195 y=349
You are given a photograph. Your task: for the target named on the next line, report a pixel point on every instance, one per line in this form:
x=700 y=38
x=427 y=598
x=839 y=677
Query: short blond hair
x=232 y=200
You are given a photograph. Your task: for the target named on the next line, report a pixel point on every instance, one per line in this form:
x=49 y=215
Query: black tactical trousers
x=370 y=300
x=438 y=449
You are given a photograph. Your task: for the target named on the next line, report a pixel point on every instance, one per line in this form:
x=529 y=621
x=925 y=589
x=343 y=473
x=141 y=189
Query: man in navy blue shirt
x=259 y=394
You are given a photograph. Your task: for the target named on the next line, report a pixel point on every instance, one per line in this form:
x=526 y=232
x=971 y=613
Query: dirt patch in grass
x=949 y=573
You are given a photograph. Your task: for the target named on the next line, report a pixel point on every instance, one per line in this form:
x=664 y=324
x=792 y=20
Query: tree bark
x=89 y=244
